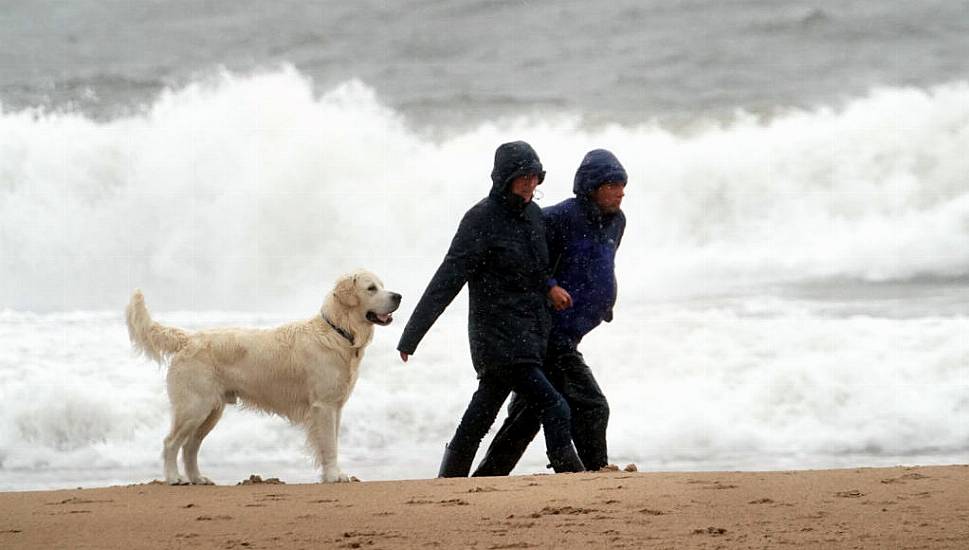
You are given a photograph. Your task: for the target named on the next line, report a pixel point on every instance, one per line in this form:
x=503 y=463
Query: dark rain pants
x=530 y=386
x=590 y=416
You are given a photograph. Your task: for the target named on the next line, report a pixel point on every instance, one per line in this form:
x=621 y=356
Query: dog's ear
x=346 y=291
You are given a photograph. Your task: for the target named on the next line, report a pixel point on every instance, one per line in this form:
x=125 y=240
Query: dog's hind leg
x=183 y=425
x=323 y=431
x=192 y=403
x=190 y=451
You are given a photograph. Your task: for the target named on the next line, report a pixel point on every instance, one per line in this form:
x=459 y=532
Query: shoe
x=565 y=460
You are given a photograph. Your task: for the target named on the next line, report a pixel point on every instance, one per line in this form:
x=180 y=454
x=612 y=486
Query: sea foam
x=688 y=388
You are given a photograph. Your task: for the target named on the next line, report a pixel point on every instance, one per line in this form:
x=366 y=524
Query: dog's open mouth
x=382 y=319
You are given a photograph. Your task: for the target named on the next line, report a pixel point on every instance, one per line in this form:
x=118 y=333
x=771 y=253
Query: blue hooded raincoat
x=582 y=244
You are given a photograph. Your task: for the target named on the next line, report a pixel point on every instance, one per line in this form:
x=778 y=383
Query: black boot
x=455 y=463
x=565 y=460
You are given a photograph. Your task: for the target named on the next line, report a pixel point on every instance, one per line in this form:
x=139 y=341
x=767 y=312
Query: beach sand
x=902 y=507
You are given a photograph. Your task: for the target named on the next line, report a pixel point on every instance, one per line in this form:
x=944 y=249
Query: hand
x=404 y=356
x=560 y=298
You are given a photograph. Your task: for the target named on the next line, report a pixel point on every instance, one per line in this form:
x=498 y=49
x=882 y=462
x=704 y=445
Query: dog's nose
x=395 y=297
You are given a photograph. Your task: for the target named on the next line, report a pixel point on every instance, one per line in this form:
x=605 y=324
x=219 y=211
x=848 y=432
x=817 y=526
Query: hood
x=514 y=159
x=598 y=166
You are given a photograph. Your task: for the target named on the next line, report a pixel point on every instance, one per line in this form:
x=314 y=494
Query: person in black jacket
x=499 y=250
x=583 y=235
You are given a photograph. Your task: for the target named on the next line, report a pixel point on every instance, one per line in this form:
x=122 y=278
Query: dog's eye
x=373 y=288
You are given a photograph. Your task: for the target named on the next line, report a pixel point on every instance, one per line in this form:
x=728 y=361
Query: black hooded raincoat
x=499 y=250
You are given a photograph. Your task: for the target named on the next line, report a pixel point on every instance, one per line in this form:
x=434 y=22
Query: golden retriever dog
x=303 y=371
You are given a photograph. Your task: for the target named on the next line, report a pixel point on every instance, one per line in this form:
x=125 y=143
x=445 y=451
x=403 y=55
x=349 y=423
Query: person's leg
x=477 y=419
x=590 y=410
x=512 y=439
x=530 y=383
x=516 y=433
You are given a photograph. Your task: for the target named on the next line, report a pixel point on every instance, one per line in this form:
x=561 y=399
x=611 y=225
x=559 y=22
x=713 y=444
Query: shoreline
x=899 y=507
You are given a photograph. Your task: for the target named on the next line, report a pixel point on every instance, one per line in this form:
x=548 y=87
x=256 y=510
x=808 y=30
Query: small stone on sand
x=257 y=480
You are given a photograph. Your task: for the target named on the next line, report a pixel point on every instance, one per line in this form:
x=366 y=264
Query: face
x=608 y=196
x=524 y=186
x=375 y=303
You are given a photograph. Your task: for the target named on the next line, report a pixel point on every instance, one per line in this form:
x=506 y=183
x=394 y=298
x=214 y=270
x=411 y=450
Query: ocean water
x=794 y=278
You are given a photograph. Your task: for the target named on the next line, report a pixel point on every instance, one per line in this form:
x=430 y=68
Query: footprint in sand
x=712 y=531
x=76 y=500
x=717 y=486
x=559 y=510
x=902 y=478
x=362 y=538
x=212 y=518
x=520 y=524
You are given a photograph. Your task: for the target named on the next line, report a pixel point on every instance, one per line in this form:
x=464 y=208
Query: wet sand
x=903 y=507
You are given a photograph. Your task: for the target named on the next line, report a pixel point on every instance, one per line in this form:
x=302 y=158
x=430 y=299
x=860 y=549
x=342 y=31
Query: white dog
x=303 y=371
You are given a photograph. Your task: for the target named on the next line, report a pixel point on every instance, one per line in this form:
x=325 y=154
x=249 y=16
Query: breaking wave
x=252 y=192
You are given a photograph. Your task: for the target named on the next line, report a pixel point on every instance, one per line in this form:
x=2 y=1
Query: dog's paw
x=335 y=476
x=202 y=480
x=177 y=480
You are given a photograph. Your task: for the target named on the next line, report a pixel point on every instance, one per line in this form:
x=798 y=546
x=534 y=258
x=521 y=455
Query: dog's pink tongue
x=384 y=317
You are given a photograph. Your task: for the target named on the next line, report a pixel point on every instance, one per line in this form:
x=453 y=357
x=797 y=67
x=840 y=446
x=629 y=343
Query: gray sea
x=467 y=62
x=793 y=281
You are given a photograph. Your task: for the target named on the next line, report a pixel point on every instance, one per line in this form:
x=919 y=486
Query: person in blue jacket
x=500 y=251
x=583 y=234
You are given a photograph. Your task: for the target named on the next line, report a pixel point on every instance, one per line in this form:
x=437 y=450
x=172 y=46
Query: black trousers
x=569 y=374
x=530 y=386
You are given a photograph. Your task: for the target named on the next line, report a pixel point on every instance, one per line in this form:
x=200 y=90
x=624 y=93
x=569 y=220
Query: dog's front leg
x=324 y=431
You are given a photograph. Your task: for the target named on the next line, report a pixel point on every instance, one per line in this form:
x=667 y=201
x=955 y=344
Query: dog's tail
x=156 y=341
